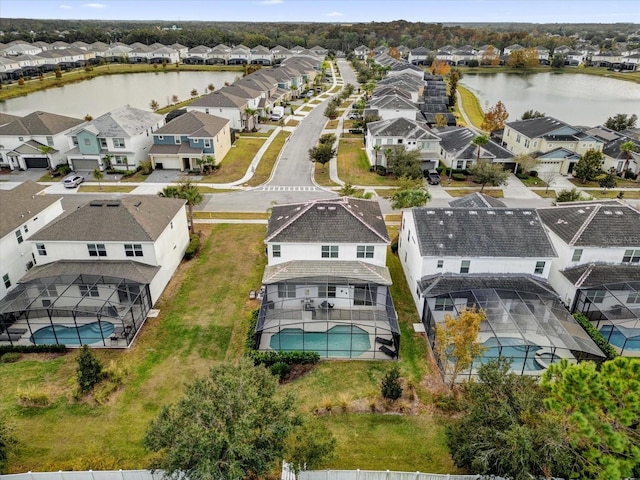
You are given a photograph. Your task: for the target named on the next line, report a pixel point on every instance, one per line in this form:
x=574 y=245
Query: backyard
x=203 y=321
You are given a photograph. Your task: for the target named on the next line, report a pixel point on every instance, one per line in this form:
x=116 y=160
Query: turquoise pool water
x=513 y=348
x=89 y=333
x=629 y=340
x=340 y=341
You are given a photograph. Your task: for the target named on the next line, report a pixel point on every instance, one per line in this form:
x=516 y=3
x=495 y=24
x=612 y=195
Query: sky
x=347 y=11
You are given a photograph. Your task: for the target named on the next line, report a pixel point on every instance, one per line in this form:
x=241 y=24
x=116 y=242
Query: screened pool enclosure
x=336 y=316
x=532 y=329
x=74 y=310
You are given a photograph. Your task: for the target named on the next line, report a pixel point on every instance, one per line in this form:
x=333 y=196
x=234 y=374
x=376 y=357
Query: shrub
x=280 y=370
x=461 y=177
x=390 y=387
x=629 y=175
x=89 y=370
x=32 y=349
x=533 y=173
x=272 y=357
x=380 y=170
x=146 y=167
x=32 y=397
x=194 y=246
x=522 y=176
x=568 y=196
x=596 y=336
x=10 y=357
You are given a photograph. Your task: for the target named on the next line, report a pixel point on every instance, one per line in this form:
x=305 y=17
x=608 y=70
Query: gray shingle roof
x=498 y=232
x=594 y=224
x=40 y=123
x=339 y=220
x=351 y=270
x=439 y=284
x=124 y=121
x=476 y=200
x=22 y=203
x=594 y=275
x=401 y=127
x=194 y=124
x=219 y=99
x=132 y=218
x=137 y=272
x=535 y=127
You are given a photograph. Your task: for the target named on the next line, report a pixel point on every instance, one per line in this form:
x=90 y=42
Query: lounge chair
x=326 y=305
x=384 y=341
x=388 y=351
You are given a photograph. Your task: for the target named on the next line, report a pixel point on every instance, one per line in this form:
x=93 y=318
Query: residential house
x=386 y=135
x=361 y=52
x=239 y=55
x=189 y=140
x=164 y=55
x=319 y=51
x=606 y=59
x=25 y=210
x=391 y=106
x=541 y=135
x=19 y=47
x=261 y=55
x=512 y=48
x=419 y=56
x=280 y=53
x=100 y=269
x=37 y=140
x=326 y=284
x=222 y=105
x=574 y=58
x=181 y=49
x=497 y=260
x=597 y=271
x=219 y=54
x=616 y=158
x=119 y=139
x=199 y=55
x=458 y=152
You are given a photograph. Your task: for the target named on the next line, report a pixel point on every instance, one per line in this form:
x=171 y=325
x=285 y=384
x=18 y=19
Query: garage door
x=36 y=162
x=82 y=164
x=167 y=162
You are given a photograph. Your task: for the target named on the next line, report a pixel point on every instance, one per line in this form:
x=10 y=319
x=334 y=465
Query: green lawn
x=106 y=188
x=235 y=164
x=632 y=195
x=353 y=164
x=620 y=183
x=321 y=176
x=533 y=182
x=545 y=193
x=461 y=192
x=471 y=106
x=268 y=160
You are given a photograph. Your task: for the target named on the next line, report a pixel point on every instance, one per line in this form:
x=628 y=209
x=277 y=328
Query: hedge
x=596 y=336
x=194 y=246
x=32 y=349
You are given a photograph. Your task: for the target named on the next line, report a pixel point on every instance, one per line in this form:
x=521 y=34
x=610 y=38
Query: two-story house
x=119 y=139
x=496 y=260
x=597 y=271
x=326 y=284
x=239 y=55
x=401 y=132
x=222 y=105
x=37 y=140
x=189 y=140
x=392 y=106
x=99 y=271
x=24 y=211
x=419 y=56
x=458 y=152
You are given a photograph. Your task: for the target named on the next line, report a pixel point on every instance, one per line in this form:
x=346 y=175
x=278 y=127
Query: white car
x=73 y=182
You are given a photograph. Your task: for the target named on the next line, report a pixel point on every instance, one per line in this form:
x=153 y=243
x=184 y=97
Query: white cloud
x=94 y=5
x=334 y=14
x=66 y=7
x=271 y=2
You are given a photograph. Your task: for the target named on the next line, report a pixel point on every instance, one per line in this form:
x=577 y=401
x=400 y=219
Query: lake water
x=102 y=94
x=576 y=99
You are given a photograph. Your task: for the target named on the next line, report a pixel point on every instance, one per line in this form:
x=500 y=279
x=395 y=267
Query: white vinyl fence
x=378 y=475
x=87 y=475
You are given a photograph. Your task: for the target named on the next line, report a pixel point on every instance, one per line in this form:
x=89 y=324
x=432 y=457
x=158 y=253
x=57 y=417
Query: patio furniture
x=252 y=295
x=17 y=331
x=10 y=337
x=388 y=351
x=326 y=305
x=384 y=341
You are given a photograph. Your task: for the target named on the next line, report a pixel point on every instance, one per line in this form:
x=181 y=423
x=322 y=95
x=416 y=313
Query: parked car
x=73 y=182
x=310 y=94
x=433 y=178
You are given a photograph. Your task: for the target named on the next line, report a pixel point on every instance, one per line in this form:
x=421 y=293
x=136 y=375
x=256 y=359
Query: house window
x=74 y=141
x=91 y=291
x=444 y=304
x=518 y=139
x=464 y=266
x=97 y=250
x=630 y=256
x=539 y=270
x=178 y=140
x=87 y=141
x=118 y=142
x=26 y=228
x=365 y=251
x=120 y=160
x=596 y=296
x=103 y=143
x=399 y=140
x=6 y=280
x=329 y=251
x=42 y=250
x=276 y=251
x=440 y=264
x=326 y=291
x=207 y=143
x=49 y=291
x=460 y=164
x=634 y=297
x=133 y=250
x=50 y=141
x=19 y=236
x=365 y=295
x=286 y=290
x=577 y=255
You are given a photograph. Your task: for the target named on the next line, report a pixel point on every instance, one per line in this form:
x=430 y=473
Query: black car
x=433 y=178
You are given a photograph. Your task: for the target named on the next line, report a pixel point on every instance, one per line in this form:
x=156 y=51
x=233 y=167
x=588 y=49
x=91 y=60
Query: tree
x=331 y=111
x=404 y=163
x=187 y=191
x=194 y=92
x=506 y=431
x=621 y=121
x=390 y=386
x=441 y=120
x=231 y=425
x=488 y=173
x=609 y=180
x=454 y=78
x=490 y=56
x=98 y=175
x=440 y=67
x=529 y=114
x=627 y=148
x=175 y=99
x=456 y=341
x=322 y=153
x=525 y=162
x=376 y=149
x=548 y=177
x=479 y=141
x=89 y=370
x=46 y=150
x=310 y=445
x=558 y=61
x=600 y=408
x=154 y=105
x=250 y=113
x=589 y=166
x=58 y=72
x=568 y=196
x=410 y=193
x=525 y=58
x=495 y=118
x=211 y=87
x=88 y=118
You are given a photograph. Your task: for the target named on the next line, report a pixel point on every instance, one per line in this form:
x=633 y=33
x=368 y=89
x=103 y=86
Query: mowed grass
x=460 y=192
x=235 y=164
x=353 y=165
x=202 y=320
x=106 y=188
x=268 y=160
x=471 y=106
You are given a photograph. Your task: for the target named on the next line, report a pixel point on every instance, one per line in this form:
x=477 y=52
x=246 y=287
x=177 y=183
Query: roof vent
x=320 y=208
x=430 y=212
x=580 y=211
x=508 y=212
x=450 y=235
x=448 y=212
x=473 y=212
x=491 y=212
x=526 y=212
x=116 y=203
x=619 y=212
x=608 y=212
x=95 y=203
x=137 y=204
x=441 y=245
x=331 y=208
x=441 y=222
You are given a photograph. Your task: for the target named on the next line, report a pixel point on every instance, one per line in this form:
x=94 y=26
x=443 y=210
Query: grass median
x=268 y=161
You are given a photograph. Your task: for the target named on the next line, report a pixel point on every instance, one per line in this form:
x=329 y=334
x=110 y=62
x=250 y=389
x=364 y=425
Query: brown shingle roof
x=194 y=124
x=21 y=204
x=40 y=123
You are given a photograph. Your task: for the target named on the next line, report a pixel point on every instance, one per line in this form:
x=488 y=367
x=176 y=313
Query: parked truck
x=276 y=114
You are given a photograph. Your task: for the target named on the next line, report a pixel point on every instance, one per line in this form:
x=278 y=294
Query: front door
x=186 y=164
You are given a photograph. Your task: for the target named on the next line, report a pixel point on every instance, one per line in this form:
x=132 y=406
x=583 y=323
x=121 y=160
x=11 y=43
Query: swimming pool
x=629 y=340
x=523 y=356
x=340 y=341
x=89 y=333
